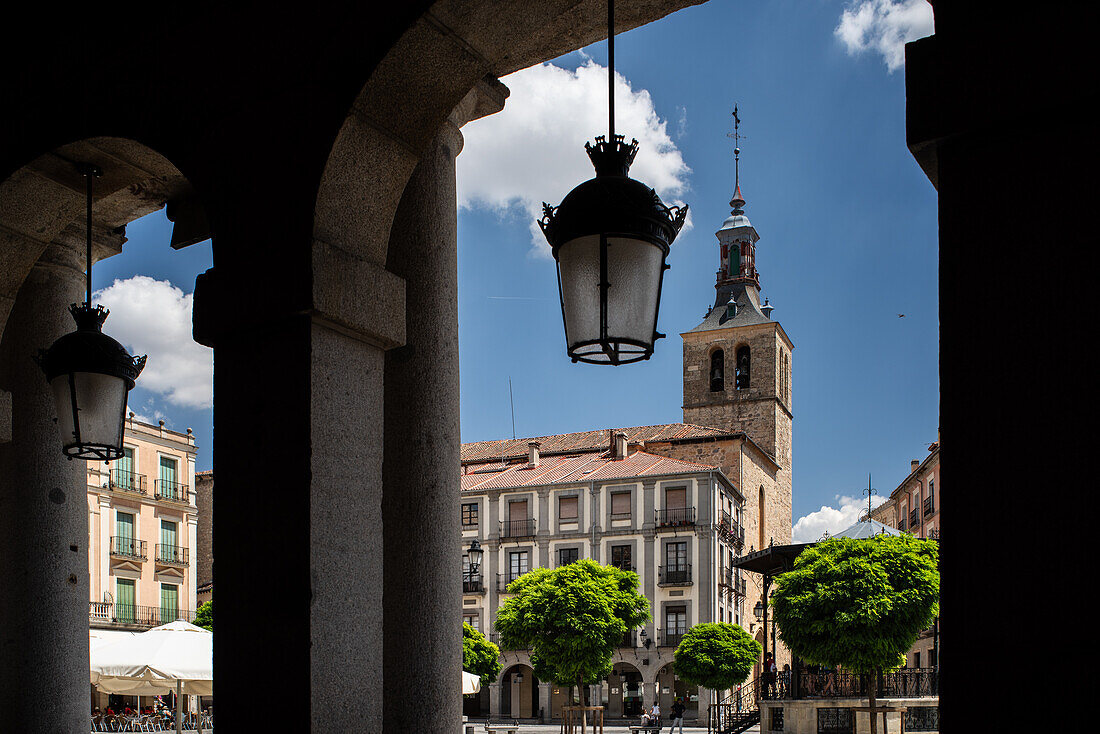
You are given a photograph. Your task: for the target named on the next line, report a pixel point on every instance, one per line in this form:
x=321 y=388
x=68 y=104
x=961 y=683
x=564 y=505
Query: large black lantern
x=610 y=237
x=474 y=554
x=90 y=374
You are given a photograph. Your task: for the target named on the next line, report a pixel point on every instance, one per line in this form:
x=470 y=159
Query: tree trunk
x=871 y=688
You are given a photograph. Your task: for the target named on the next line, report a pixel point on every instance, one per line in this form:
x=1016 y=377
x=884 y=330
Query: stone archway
x=44 y=570
x=519 y=691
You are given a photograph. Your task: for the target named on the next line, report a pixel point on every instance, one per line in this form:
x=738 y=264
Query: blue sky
x=846 y=218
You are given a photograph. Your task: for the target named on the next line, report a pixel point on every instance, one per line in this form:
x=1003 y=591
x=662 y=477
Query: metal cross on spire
x=736 y=135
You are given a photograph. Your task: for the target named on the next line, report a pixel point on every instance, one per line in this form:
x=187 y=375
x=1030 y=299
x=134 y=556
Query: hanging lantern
x=474 y=554
x=610 y=237
x=90 y=374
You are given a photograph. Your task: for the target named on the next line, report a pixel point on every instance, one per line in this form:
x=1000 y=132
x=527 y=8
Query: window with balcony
x=930 y=501
x=125 y=598
x=471 y=582
x=519 y=524
x=469 y=515
x=123 y=475
x=168 y=486
x=621 y=557
x=169 y=550
x=567 y=556
x=568 y=509
x=675 y=625
x=676 y=570
x=620 y=505
x=676 y=511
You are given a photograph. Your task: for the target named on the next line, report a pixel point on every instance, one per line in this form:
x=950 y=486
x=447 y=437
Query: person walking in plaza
x=678 y=709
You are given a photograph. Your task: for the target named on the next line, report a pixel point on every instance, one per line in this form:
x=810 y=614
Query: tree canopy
x=572 y=619
x=479 y=656
x=860 y=603
x=204 y=615
x=716 y=655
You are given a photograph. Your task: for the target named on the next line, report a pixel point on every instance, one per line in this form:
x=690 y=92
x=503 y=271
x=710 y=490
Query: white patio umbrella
x=470 y=683
x=178 y=656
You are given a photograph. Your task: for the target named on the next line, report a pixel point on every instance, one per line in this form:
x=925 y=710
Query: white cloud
x=884 y=26
x=809 y=528
x=153 y=317
x=533 y=151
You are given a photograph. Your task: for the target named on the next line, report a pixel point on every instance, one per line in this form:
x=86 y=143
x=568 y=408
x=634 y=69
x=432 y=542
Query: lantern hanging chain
x=611 y=71
x=89 y=171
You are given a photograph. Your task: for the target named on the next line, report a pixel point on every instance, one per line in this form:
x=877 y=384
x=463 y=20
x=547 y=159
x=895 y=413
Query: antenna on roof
x=513 y=406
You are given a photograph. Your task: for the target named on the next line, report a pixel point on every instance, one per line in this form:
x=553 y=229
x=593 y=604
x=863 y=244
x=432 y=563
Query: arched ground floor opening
x=519 y=693
x=670 y=689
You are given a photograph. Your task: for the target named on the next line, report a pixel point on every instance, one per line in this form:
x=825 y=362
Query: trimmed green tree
x=716 y=655
x=572 y=619
x=479 y=656
x=859 y=603
x=204 y=615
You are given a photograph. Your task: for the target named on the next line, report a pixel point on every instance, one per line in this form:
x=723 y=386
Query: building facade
x=142 y=532
x=915 y=508
x=616 y=497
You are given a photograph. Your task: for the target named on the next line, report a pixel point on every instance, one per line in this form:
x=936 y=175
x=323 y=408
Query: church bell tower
x=737 y=362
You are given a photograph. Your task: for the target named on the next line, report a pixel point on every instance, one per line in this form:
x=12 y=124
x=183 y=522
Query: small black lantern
x=90 y=374
x=610 y=237
x=474 y=553
x=758 y=610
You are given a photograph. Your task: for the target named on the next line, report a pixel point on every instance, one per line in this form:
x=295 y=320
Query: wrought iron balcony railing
x=174 y=491
x=126 y=547
x=174 y=554
x=678 y=574
x=671 y=638
x=471 y=584
x=730 y=530
x=901 y=524
x=630 y=639
x=517 y=528
x=914 y=520
x=503 y=579
x=725 y=577
x=675 y=517
x=127 y=481
x=903 y=683
x=927 y=506
x=112 y=613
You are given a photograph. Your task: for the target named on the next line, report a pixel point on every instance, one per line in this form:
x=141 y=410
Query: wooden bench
x=655 y=728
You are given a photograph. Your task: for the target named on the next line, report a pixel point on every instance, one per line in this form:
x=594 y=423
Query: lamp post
x=610 y=237
x=90 y=374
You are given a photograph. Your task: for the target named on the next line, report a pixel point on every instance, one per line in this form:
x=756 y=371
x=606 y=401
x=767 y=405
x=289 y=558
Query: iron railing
x=731 y=531
x=517 y=528
x=678 y=574
x=503 y=579
x=903 y=683
x=725 y=577
x=914 y=519
x=737 y=712
x=112 y=613
x=901 y=524
x=164 y=489
x=630 y=639
x=675 y=517
x=122 y=545
x=471 y=584
x=127 y=481
x=927 y=506
x=670 y=638
x=175 y=554
x=922 y=718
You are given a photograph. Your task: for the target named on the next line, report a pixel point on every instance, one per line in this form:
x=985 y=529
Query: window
x=517 y=565
x=169 y=486
x=567 y=508
x=621 y=557
x=931 y=496
x=741 y=378
x=916 y=659
x=717 y=371
x=567 y=556
x=169 y=603
x=620 y=505
x=675 y=623
x=169 y=551
x=124 y=525
x=125 y=596
x=469 y=515
x=676 y=556
x=474 y=620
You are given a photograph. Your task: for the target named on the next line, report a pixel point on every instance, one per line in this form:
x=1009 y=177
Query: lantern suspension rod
x=89 y=171
x=611 y=71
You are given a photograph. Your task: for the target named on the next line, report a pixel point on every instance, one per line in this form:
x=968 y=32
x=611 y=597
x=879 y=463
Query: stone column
x=494 y=699
x=43 y=519
x=544 y=700
x=420 y=501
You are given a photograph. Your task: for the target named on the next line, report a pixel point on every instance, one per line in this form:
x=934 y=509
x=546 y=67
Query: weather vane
x=736 y=135
x=868 y=492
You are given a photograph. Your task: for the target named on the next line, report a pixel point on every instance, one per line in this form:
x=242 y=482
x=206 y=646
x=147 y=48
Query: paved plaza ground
x=479 y=728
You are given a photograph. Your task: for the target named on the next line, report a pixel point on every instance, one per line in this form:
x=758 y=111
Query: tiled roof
x=584 y=467
x=585 y=441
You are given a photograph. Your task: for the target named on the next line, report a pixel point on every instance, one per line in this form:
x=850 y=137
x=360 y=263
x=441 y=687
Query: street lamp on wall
x=90 y=374
x=610 y=237
x=474 y=553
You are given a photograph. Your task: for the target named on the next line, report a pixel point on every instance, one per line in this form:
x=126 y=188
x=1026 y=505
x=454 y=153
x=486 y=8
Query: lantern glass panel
x=579 y=270
x=634 y=272
x=100 y=407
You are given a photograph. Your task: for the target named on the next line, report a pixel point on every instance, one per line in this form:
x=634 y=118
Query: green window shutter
x=124 y=525
x=169 y=603
x=125 y=463
x=124 y=600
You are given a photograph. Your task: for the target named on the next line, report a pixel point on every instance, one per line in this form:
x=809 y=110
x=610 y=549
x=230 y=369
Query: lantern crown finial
x=612 y=158
x=88 y=317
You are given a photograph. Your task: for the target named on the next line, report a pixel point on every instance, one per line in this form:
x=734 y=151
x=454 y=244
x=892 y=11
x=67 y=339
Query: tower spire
x=738 y=201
